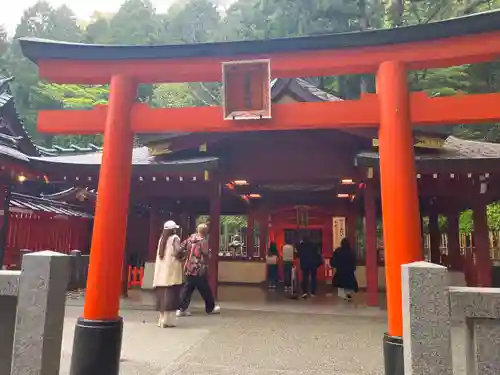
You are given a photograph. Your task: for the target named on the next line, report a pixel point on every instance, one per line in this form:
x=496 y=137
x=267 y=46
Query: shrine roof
x=26 y=202
x=10 y=123
x=36 y=49
x=72 y=149
x=140 y=157
x=72 y=194
x=473 y=155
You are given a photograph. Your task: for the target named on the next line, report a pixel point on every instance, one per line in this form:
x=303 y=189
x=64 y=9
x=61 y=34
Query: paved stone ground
x=240 y=342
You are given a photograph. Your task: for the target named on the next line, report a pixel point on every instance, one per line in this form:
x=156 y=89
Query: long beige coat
x=169 y=270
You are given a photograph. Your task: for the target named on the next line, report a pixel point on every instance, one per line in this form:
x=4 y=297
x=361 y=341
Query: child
x=272 y=266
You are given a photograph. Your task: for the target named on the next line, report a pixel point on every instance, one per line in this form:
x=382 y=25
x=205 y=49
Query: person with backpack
x=196 y=272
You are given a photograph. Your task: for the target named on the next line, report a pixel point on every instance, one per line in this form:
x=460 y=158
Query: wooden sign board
x=246 y=89
x=339 y=230
x=422 y=142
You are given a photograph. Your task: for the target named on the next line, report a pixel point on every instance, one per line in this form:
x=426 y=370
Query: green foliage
x=172 y=95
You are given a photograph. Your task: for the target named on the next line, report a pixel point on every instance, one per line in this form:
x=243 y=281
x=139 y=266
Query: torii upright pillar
x=98 y=334
x=400 y=209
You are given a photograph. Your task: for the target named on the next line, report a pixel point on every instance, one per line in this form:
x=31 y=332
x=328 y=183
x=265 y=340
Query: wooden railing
x=135 y=276
x=466 y=246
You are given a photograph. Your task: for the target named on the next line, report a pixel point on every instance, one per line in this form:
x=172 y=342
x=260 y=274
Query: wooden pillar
x=102 y=299
x=400 y=206
x=483 y=265
x=155 y=227
x=214 y=239
x=249 y=239
x=5 y=199
x=435 y=238
x=453 y=234
x=191 y=224
x=351 y=228
x=371 y=254
x=263 y=229
x=183 y=224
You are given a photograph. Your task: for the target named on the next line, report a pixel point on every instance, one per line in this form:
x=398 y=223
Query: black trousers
x=309 y=273
x=201 y=283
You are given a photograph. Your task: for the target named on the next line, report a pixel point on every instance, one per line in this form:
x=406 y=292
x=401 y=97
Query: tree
x=192 y=21
x=135 y=23
x=173 y=95
x=4 y=42
x=4 y=45
x=42 y=21
x=64 y=25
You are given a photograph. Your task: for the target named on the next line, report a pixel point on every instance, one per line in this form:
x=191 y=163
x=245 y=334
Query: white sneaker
x=216 y=310
x=181 y=313
x=160 y=321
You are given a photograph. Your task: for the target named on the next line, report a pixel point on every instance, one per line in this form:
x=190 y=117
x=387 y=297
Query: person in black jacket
x=344 y=262
x=310 y=260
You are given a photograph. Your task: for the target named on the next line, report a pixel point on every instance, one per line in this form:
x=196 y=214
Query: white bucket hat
x=170 y=225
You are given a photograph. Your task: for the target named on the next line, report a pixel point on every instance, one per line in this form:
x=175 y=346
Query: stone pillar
x=453 y=234
x=426 y=320
x=482 y=256
x=371 y=254
x=215 y=203
x=480 y=309
x=40 y=314
x=435 y=238
x=249 y=239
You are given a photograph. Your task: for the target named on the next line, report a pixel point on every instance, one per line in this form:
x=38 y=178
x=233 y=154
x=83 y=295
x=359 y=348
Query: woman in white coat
x=168 y=275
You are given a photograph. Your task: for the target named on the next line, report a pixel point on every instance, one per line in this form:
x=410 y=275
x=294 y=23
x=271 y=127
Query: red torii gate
x=389 y=53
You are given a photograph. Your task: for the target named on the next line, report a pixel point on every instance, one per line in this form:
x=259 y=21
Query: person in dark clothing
x=344 y=263
x=310 y=261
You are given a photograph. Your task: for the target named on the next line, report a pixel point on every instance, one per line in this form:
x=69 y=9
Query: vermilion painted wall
x=45 y=231
x=285 y=218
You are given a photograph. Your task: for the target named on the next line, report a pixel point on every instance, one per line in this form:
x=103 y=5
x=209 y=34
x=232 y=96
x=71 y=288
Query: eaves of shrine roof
x=72 y=194
x=27 y=202
x=140 y=157
x=10 y=123
x=456 y=155
x=37 y=49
